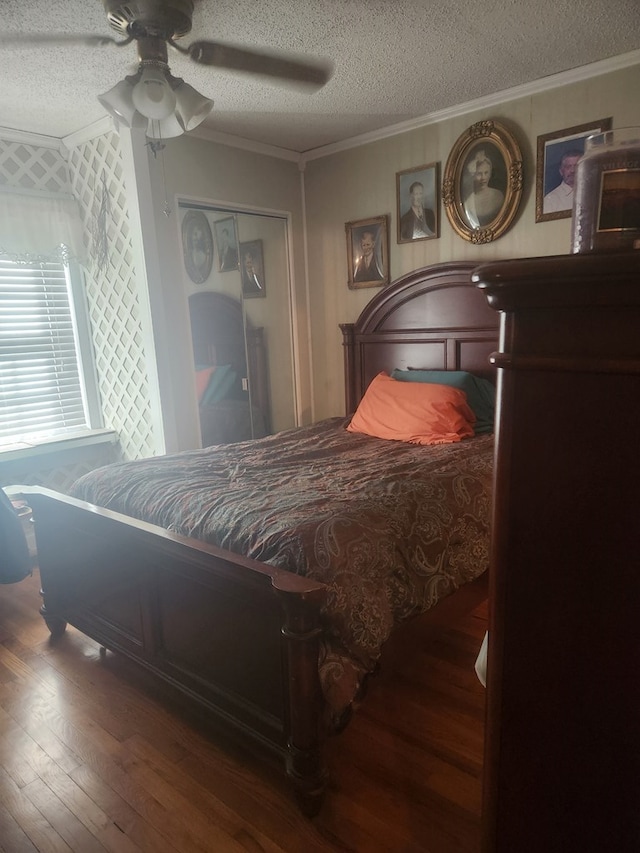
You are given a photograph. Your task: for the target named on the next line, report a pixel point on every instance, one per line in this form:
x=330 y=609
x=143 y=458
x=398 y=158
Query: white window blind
x=41 y=392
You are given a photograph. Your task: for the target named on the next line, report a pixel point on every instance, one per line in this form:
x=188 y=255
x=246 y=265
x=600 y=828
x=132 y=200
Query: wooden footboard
x=237 y=637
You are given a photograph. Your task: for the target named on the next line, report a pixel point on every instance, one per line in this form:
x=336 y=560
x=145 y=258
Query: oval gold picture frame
x=197 y=246
x=482 y=184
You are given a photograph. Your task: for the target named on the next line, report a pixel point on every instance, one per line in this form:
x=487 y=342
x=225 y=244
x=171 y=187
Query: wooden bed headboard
x=433 y=318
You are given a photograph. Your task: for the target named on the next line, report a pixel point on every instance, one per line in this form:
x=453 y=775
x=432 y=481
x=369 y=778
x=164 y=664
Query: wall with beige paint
x=361 y=182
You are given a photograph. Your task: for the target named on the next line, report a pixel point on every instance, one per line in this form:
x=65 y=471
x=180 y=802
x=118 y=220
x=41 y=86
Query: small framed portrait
x=482 y=184
x=226 y=243
x=252 y=269
x=558 y=154
x=197 y=246
x=368 y=252
x=418 y=203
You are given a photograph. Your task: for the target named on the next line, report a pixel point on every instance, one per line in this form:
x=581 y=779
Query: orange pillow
x=202 y=380
x=417 y=412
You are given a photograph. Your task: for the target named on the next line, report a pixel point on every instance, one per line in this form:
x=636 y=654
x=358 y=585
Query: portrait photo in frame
x=252 y=269
x=557 y=156
x=418 y=203
x=226 y=243
x=482 y=185
x=368 y=252
x=197 y=246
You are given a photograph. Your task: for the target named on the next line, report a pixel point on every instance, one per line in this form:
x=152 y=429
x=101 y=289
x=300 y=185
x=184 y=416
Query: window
x=42 y=389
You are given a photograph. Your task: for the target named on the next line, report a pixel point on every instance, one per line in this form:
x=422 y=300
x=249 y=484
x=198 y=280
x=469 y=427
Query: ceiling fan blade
x=310 y=73
x=21 y=40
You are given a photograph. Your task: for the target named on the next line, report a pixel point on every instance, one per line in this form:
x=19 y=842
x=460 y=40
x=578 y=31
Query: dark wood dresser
x=562 y=755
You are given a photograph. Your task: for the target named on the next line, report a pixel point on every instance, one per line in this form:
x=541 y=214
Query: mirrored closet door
x=237 y=272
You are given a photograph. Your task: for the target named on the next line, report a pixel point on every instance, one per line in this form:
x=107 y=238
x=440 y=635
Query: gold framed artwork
x=557 y=156
x=418 y=203
x=482 y=185
x=368 y=252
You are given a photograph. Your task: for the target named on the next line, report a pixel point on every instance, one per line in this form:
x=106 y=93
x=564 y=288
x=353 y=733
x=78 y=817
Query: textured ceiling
x=395 y=60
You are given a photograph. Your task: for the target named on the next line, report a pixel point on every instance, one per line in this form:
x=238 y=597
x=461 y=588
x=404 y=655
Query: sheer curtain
x=40 y=227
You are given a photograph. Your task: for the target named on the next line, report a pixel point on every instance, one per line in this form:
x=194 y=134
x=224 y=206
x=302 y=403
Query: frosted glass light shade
x=152 y=95
x=191 y=107
x=118 y=102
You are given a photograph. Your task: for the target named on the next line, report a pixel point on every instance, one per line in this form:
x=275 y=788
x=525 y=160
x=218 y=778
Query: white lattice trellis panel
x=30 y=167
x=113 y=301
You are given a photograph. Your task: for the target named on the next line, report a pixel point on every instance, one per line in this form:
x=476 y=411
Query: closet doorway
x=238 y=279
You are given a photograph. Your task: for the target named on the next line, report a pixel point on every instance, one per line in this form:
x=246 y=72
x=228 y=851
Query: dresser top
x=590 y=279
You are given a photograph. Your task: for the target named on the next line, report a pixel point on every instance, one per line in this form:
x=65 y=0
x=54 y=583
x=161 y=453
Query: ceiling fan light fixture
x=191 y=107
x=136 y=102
x=152 y=95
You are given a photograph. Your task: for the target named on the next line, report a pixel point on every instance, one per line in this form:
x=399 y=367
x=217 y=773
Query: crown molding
x=245 y=144
x=38 y=140
x=107 y=124
x=544 y=84
x=91 y=131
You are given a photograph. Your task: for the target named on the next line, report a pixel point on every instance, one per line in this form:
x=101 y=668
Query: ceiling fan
x=167 y=104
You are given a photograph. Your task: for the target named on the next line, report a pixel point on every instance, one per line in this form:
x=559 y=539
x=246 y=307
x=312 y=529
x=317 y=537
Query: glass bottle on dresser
x=606 y=213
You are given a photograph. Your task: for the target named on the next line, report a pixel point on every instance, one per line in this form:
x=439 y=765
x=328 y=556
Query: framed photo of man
x=197 y=246
x=368 y=252
x=558 y=154
x=252 y=269
x=227 y=244
x=418 y=203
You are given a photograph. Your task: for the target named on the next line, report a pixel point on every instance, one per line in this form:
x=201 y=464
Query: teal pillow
x=481 y=394
x=221 y=382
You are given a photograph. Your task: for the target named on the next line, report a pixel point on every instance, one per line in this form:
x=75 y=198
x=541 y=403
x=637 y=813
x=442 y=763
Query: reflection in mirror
x=271 y=311
x=229 y=360
x=241 y=328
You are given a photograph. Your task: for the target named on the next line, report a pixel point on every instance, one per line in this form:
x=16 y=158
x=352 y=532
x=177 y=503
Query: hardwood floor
x=94 y=757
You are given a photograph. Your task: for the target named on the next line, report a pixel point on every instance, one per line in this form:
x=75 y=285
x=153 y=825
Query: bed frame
x=239 y=638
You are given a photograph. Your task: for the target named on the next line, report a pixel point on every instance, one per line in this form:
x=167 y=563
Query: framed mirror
x=242 y=346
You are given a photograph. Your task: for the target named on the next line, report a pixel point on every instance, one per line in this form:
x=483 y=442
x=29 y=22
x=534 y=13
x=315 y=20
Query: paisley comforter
x=389 y=527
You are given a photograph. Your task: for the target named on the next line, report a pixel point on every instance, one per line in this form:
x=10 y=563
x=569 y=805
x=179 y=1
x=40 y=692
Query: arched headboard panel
x=433 y=318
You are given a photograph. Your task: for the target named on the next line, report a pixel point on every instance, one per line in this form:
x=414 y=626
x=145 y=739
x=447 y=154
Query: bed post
x=349 y=343
x=303 y=700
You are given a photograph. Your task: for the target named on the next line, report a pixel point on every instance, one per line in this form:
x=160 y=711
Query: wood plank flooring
x=93 y=756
